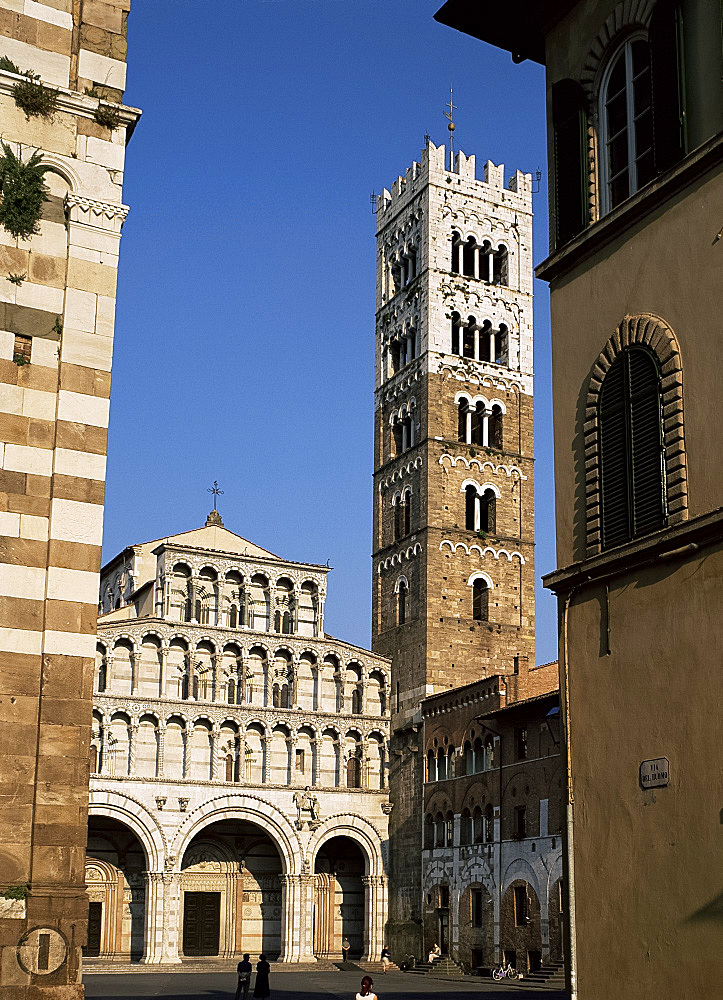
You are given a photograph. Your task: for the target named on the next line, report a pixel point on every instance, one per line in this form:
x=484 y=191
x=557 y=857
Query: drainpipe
x=572 y=936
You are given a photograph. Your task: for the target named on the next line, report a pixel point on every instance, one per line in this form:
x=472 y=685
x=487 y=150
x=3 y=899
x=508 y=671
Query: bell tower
x=453 y=560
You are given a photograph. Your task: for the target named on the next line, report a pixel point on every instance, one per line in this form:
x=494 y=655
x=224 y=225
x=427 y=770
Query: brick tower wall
x=440 y=644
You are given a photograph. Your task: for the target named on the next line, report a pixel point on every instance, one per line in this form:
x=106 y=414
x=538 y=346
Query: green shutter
x=668 y=91
x=632 y=466
x=570 y=160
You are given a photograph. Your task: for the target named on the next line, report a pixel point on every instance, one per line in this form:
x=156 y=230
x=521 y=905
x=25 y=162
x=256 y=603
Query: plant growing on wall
x=32 y=97
x=16 y=279
x=23 y=192
x=108 y=116
x=16 y=892
x=8 y=65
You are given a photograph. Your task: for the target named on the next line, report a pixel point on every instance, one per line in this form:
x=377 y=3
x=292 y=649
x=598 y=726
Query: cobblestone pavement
x=300 y=986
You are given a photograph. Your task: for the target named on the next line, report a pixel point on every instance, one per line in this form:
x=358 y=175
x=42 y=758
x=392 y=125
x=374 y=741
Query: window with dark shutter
x=666 y=66
x=570 y=182
x=632 y=471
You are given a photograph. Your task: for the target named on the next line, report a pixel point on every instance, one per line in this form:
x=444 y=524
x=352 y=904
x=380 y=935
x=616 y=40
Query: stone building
x=635 y=141
x=493 y=813
x=239 y=757
x=57 y=307
x=453 y=553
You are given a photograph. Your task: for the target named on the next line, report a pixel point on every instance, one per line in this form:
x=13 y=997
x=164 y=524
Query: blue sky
x=245 y=323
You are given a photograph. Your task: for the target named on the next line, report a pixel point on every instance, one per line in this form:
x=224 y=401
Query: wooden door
x=201 y=922
x=95 y=916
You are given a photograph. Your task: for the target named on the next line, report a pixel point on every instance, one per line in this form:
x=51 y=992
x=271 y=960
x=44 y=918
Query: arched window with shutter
x=570 y=160
x=632 y=460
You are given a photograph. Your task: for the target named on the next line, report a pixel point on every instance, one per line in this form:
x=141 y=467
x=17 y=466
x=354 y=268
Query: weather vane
x=216 y=492
x=449 y=115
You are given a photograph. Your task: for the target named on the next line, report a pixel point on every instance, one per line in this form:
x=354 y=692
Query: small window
x=480 y=601
x=229 y=768
x=520 y=831
x=521 y=742
x=521 y=915
x=22 y=349
x=444 y=897
x=353 y=773
x=477 y=907
x=300 y=757
x=94 y=760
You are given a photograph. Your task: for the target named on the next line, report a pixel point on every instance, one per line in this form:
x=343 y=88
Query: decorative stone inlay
x=482 y=552
x=482 y=464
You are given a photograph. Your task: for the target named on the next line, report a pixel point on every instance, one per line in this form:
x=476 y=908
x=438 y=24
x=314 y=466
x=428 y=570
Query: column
x=163 y=672
x=374 y=916
x=411 y=429
x=216 y=663
x=291 y=757
x=186 y=753
x=493 y=346
x=476 y=253
x=214 y=753
x=405 y=435
x=108 y=672
x=105 y=748
x=265 y=758
x=410 y=348
x=476 y=341
x=161 y=750
x=315 y=770
x=468 y=424
x=191 y=676
x=491 y=266
x=364 y=766
x=485 y=429
x=132 y=734
x=153 y=918
x=172 y=916
x=297 y=918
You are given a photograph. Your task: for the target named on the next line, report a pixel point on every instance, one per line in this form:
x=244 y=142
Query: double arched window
x=480 y=507
x=632 y=458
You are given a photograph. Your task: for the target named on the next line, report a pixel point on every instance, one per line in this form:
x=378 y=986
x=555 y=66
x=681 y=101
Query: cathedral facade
x=239 y=758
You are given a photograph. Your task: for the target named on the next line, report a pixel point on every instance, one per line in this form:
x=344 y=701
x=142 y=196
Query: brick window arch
x=652 y=334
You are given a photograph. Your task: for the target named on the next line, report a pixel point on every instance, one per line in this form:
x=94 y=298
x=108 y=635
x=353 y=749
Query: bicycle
x=505 y=972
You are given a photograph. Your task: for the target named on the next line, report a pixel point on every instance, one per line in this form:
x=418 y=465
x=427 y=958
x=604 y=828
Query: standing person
x=386 y=960
x=366 y=992
x=261 y=987
x=244 y=970
x=345 y=946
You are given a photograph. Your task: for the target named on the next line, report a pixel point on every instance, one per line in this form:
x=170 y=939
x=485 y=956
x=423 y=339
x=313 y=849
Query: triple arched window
x=480 y=422
x=632 y=456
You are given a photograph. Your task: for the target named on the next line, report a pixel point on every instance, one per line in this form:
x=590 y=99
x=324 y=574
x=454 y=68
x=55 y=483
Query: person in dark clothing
x=261 y=987
x=244 y=970
x=345 y=946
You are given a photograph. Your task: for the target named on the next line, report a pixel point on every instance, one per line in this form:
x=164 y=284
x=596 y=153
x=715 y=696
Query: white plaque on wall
x=655 y=773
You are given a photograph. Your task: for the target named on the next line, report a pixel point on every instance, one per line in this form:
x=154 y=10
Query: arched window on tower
x=488 y=511
x=477 y=424
x=457 y=251
x=353 y=772
x=455 y=342
x=468 y=255
x=462 y=410
x=632 y=457
x=480 y=600
x=495 y=428
x=465 y=828
x=428 y=833
x=397 y=518
x=471 y=508
x=402 y=602
x=500 y=266
x=407 y=512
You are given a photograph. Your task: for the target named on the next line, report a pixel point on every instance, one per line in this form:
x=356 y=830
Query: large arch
x=247 y=807
x=357 y=829
x=131 y=812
